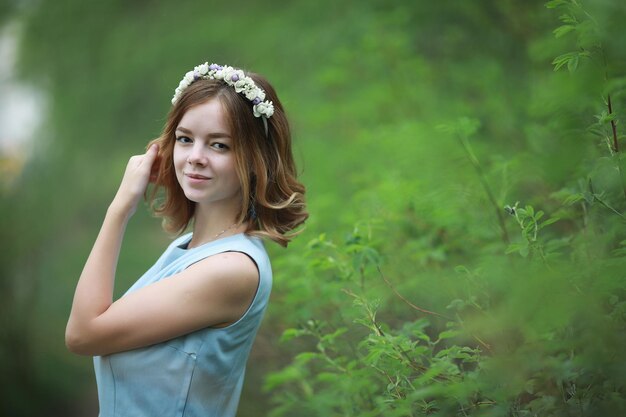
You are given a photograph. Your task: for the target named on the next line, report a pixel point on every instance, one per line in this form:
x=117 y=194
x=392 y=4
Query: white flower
x=251 y=93
x=265 y=108
x=202 y=69
x=241 y=85
x=237 y=75
x=219 y=74
x=232 y=75
x=255 y=92
x=227 y=73
x=235 y=78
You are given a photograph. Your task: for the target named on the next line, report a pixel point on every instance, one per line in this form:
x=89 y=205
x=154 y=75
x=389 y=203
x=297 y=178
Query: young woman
x=177 y=342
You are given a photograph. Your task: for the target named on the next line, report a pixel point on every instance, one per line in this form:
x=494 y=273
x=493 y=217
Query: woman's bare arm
x=214 y=291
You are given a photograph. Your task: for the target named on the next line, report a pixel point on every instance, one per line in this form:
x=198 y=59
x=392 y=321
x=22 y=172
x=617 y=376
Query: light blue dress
x=198 y=374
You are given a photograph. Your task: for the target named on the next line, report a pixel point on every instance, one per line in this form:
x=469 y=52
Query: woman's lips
x=196 y=178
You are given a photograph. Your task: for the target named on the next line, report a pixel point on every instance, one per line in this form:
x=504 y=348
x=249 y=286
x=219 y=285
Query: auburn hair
x=273 y=203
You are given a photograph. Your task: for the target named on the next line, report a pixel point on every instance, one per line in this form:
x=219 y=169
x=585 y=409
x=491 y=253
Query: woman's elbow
x=76 y=342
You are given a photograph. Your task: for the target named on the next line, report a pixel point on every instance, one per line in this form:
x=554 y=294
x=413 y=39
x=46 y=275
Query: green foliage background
x=411 y=291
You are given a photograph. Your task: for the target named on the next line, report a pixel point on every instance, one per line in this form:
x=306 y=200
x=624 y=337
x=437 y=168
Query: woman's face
x=203 y=157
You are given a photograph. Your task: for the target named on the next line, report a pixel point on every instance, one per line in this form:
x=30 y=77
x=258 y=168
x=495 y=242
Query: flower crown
x=234 y=78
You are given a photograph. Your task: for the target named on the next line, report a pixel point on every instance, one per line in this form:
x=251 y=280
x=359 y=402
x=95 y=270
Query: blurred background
x=412 y=290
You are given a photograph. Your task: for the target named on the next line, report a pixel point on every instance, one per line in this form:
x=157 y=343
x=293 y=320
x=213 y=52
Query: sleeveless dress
x=197 y=374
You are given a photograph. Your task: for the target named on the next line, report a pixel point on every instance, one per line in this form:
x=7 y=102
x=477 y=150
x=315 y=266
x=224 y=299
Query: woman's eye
x=183 y=139
x=220 y=146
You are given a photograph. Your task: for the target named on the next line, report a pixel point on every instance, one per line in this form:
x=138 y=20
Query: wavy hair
x=273 y=203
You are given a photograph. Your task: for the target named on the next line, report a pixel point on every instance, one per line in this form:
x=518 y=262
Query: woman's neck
x=214 y=222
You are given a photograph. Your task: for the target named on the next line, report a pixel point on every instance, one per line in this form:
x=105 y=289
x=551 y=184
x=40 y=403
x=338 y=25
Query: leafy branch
x=462 y=130
x=576 y=20
x=529 y=222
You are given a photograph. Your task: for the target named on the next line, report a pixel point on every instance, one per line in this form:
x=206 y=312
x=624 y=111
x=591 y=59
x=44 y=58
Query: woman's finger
x=154 y=170
x=151 y=153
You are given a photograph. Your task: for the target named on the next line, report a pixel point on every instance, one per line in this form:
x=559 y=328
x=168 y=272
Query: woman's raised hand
x=135 y=181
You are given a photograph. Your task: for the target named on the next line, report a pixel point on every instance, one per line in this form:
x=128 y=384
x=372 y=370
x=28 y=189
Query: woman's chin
x=194 y=198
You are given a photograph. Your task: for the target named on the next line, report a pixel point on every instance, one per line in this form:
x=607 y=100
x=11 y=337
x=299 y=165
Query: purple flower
x=215 y=67
x=256 y=101
x=234 y=78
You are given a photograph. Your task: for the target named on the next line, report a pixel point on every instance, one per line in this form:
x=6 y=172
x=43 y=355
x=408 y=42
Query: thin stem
x=410 y=304
x=613 y=125
x=485 y=184
x=402 y=354
x=400 y=296
x=618 y=157
x=605 y=204
x=483 y=343
x=382 y=371
x=615 y=146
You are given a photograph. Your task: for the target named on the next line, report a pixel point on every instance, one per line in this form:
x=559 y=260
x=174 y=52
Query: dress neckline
x=183 y=245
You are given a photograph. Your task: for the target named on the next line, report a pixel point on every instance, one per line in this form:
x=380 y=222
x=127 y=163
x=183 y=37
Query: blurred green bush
x=412 y=290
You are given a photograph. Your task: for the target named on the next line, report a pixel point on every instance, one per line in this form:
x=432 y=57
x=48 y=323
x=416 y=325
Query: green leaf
x=457 y=304
x=515 y=247
x=289 y=374
x=562 y=60
x=548 y=222
x=305 y=357
x=391 y=386
x=553 y=4
x=563 y=30
x=328 y=377
x=447 y=334
x=605 y=117
x=568 y=18
x=596 y=132
x=292 y=334
x=524 y=251
x=468 y=126
x=332 y=336
x=572 y=64
x=459 y=269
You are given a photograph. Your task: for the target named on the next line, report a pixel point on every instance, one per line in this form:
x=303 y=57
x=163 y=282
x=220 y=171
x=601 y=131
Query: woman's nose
x=197 y=155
